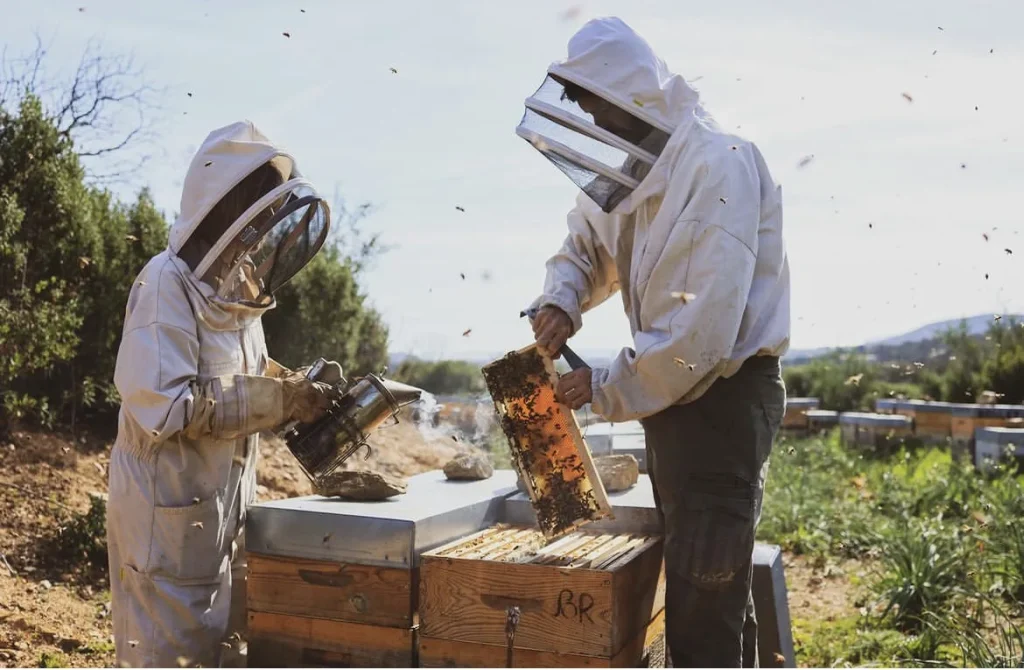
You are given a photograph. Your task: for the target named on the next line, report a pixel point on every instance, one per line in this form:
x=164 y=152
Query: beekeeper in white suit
x=196 y=387
x=684 y=221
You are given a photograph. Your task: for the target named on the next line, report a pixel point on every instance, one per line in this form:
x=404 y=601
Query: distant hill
x=906 y=345
x=910 y=345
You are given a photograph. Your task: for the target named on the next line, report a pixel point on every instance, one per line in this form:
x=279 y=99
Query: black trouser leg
x=707 y=461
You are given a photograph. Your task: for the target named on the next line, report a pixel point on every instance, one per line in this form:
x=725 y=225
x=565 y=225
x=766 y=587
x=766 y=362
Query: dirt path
x=52 y=618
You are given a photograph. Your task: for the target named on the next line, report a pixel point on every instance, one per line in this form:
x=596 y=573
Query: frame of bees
x=547 y=448
x=588 y=599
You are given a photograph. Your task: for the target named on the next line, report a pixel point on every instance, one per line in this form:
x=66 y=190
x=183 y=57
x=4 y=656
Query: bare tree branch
x=348 y=236
x=106 y=107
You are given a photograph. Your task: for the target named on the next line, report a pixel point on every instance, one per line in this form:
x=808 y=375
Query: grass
x=944 y=543
x=53 y=660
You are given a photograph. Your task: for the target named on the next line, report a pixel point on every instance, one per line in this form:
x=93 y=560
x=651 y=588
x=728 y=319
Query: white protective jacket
x=705 y=221
x=190 y=371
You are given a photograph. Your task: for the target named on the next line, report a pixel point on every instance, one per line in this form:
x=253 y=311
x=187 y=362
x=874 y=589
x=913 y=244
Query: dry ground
x=48 y=617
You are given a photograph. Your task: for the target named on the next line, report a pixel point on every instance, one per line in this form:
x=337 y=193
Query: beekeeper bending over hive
x=684 y=221
x=196 y=387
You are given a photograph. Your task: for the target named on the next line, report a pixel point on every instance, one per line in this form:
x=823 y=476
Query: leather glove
x=330 y=374
x=304 y=400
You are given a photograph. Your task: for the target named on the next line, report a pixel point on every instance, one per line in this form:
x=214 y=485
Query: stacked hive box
x=588 y=599
x=819 y=420
x=334 y=583
x=932 y=421
x=992 y=444
x=881 y=431
x=635 y=512
x=796 y=412
x=886 y=405
x=967 y=418
x=603 y=438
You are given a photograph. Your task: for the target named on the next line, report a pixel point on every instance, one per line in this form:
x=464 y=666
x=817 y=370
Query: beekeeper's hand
x=551 y=328
x=574 y=389
x=304 y=400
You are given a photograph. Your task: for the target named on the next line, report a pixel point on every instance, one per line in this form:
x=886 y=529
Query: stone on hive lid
x=472 y=466
x=618 y=472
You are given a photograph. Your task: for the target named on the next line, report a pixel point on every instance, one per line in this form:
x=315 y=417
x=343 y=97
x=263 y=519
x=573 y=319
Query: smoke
x=467 y=420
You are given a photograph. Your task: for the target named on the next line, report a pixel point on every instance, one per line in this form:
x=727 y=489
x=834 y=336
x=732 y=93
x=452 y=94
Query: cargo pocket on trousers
x=188 y=542
x=717 y=537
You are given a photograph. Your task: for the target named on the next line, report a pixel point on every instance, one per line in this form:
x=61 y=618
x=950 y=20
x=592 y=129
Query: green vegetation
x=69 y=253
x=956 y=367
x=78 y=541
x=442 y=377
x=53 y=660
x=941 y=543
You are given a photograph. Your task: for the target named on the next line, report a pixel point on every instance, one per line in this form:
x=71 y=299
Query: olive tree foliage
x=70 y=250
x=323 y=311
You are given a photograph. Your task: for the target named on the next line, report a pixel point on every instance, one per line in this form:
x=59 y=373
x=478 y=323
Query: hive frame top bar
x=634 y=511
x=389 y=533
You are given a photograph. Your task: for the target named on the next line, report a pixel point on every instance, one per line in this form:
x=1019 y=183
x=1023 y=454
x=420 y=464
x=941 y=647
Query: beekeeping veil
x=260 y=221
x=605 y=114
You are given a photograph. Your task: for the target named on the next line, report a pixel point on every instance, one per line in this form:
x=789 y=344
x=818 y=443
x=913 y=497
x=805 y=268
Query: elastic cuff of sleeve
x=598 y=377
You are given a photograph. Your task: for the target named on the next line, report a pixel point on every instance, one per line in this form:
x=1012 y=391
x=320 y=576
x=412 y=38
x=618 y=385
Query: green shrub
x=53 y=660
x=982 y=631
x=79 y=542
x=68 y=256
x=442 y=377
x=922 y=568
x=322 y=312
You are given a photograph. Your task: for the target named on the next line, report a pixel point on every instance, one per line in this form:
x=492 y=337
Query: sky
x=885 y=227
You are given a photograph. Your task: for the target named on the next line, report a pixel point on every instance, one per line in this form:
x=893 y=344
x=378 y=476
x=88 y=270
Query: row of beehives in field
x=981 y=431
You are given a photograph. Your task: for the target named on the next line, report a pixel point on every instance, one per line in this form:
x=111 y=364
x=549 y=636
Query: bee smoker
x=357 y=409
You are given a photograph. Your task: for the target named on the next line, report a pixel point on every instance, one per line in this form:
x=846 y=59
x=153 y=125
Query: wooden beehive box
x=993 y=444
x=967 y=418
x=933 y=421
x=548 y=451
x=334 y=582
x=796 y=412
x=880 y=431
x=820 y=420
x=586 y=600
x=886 y=405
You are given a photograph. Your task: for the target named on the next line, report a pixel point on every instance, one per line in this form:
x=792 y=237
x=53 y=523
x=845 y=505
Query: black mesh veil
x=294 y=235
x=274 y=239
x=586 y=138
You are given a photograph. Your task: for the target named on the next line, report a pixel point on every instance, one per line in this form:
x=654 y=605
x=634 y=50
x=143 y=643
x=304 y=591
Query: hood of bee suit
x=610 y=60
x=273 y=239
x=227 y=156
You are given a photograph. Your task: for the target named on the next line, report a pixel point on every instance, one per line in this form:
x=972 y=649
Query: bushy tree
x=442 y=377
x=321 y=312
x=70 y=252
x=68 y=255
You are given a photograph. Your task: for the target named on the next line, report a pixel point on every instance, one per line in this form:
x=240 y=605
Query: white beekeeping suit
x=680 y=217
x=196 y=386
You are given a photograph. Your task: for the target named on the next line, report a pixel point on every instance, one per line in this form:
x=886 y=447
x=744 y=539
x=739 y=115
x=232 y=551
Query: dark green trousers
x=708 y=460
